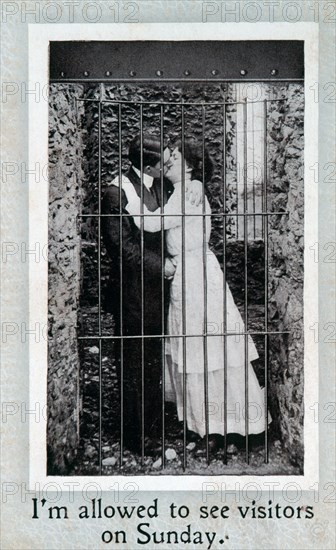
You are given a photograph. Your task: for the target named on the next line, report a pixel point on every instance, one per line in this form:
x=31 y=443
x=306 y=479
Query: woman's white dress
x=192 y=303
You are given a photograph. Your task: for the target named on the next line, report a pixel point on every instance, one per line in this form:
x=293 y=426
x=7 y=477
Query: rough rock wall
x=65 y=199
x=286 y=248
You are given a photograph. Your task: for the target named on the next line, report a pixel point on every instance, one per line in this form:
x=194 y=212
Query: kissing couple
x=165 y=280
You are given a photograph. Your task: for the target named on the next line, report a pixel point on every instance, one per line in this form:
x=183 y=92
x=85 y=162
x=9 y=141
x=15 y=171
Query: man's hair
x=151 y=147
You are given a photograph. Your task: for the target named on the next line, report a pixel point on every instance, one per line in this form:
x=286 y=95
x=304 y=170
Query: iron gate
x=245 y=215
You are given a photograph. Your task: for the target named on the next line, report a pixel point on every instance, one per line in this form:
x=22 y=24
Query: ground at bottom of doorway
x=196 y=459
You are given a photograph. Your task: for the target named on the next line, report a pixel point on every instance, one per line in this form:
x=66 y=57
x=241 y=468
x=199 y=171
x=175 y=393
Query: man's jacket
x=129 y=252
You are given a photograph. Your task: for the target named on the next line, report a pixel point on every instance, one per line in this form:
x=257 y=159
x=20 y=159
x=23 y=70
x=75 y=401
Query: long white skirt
x=235 y=406
x=236 y=410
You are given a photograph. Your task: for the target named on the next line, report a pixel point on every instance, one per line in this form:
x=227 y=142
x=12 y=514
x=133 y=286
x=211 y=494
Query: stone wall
x=286 y=183
x=65 y=200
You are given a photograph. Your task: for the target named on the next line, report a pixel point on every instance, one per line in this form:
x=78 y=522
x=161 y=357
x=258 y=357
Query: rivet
x=274 y=72
x=243 y=72
x=108 y=73
x=187 y=73
x=214 y=72
x=132 y=73
x=86 y=73
x=62 y=74
x=159 y=73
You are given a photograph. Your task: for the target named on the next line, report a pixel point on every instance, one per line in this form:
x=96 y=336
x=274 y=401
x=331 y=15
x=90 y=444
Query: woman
x=195 y=289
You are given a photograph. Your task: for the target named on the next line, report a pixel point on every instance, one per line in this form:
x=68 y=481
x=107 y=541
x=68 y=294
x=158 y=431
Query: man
x=136 y=314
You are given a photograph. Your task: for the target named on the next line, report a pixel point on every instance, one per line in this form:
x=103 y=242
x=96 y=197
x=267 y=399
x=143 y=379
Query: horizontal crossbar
x=233 y=215
x=219 y=334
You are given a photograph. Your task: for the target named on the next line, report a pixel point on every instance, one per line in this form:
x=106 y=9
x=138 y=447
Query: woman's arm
x=131 y=248
x=152 y=219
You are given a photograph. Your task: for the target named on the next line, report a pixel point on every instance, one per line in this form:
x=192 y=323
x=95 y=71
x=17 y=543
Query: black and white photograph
x=168 y=274
x=176 y=241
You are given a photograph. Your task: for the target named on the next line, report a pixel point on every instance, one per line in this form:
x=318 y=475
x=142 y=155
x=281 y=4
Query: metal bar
x=121 y=290
x=99 y=283
x=185 y=103
x=184 y=383
x=219 y=215
x=162 y=288
x=251 y=333
x=100 y=408
x=205 y=293
x=155 y=60
x=237 y=172
x=253 y=176
x=224 y=288
x=142 y=294
x=265 y=231
x=163 y=80
x=246 y=287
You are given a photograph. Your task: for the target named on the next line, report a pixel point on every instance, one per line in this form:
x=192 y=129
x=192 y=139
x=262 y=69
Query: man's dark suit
x=131 y=314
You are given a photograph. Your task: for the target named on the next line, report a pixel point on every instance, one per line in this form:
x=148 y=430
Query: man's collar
x=147 y=180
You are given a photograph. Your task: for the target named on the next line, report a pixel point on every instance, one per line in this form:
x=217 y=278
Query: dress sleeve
x=152 y=219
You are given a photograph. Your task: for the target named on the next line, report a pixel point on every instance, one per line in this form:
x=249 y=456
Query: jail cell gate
x=230 y=112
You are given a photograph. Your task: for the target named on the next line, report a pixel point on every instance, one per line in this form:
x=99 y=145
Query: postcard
x=168 y=261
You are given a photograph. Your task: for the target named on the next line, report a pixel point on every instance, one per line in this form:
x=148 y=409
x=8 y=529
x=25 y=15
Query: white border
x=39 y=37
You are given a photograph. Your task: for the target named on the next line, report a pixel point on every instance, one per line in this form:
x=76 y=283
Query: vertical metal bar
x=263 y=152
x=224 y=287
x=162 y=288
x=99 y=283
x=121 y=289
x=253 y=174
x=205 y=293
x=237 y=174
x=184 y=383
x=142 y=294
x=246 y=286
x=265 y=231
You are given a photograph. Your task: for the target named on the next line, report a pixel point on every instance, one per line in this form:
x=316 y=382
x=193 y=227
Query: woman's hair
x=151 y=147
x=193 y=155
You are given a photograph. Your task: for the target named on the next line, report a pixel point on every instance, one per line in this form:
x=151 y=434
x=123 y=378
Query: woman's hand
x=194 y=192
x=169 y=269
